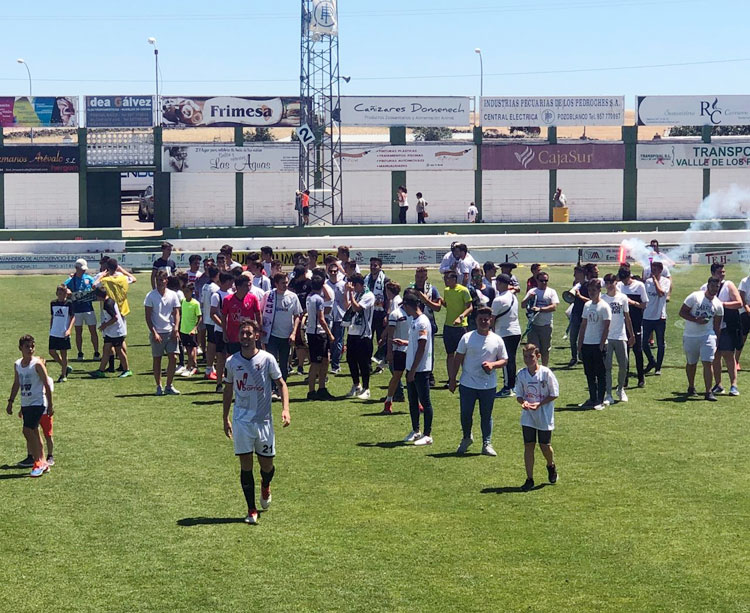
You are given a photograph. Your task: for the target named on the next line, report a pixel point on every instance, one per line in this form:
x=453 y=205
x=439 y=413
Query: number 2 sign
x=305 y=134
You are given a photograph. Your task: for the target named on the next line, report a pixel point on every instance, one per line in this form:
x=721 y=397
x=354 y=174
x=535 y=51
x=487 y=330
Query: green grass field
x=143 y=511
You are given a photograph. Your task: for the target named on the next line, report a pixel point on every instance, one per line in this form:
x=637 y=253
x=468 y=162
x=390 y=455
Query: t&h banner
x=229 y=111
x=524 y=111
x=250 y=159
x=412 y=111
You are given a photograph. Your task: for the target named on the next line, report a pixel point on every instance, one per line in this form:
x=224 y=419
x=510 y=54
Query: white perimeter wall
x=202 y=200
x=593 y=195
x=41 y=200
x=669 y=194
x=723 y=179
x=268 y=198
x=448 y=194
x=515 y=195
x=367 y=197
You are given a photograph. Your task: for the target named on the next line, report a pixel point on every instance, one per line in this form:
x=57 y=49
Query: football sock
x=389 y=398
x=248 y=487
x=112 y=361
x=265 y=477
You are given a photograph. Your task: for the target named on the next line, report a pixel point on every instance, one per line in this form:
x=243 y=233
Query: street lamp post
x=152 y=41
x=478 y=51
x=20 y=60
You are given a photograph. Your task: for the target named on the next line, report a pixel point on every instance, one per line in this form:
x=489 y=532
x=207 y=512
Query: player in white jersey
x=397 y=341
x=35 y=386
x=248 y=379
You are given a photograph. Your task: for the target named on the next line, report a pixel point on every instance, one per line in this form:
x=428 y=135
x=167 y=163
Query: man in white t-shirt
x=544 y=301
x=620 y=337
x=472 y=213
x=207 y=291
x=506 y=325
x=248 y=379
x=702 y=312
x=592 y=344
x=397 y=341
x=459 y=260
x=163 y=321
x=655 y=317
x=418 y=368
x=480 y=353
x=337 y=285
x=361 y=301
x=635 y=292
x=282 y=313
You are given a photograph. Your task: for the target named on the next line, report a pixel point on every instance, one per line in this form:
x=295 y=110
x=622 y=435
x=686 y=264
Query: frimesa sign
x=589 y=156
x=695 y=155
x=427 y=111
x=119 y=111
x=38 y=111
x=249 y=159
x=39 y=159
x=523 y=111
x=710 y=110
x=428 y=156
x=229 y=111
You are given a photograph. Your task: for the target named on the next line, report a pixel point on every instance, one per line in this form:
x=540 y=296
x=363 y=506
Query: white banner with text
x=524 y=111
x=412 y=111
x=694 y=155
x=249 y=159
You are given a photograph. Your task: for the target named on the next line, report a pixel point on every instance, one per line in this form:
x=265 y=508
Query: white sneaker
x=188 y=372
x=265 y=502
x=252 y=518
x=733 y=391
x=365 y=395
x=608 y=400
x=355 y=391
x=412 y=436
x=179 y=370
x=171 y=390
x=464 y=445
x=425 y=440
x=621 y=395
x=489 y=450
x=599 y=407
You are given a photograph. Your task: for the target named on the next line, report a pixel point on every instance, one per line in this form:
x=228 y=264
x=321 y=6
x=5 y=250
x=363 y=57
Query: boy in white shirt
x=619 y=339
x=655 y=316
x=702 y=312
x=536 y=391
x=592 y=344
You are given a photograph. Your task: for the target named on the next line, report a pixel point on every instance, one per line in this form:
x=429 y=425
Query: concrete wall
x=593 y=195
x=367 y=198
x=268 y=198
x=669 y=194
x=515 y=195
x=202 y=200
x=41 y=200
x=448 y=194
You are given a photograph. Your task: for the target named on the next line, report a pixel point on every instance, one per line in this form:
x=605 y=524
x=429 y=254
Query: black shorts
x=32 y=416
x=210 y=334
x=115 y=341
x=232 y=348
x=59 y=344
x=319 y=346
x=532 y=435
x=730 y=339
x=399 y=361
x=451 y=336
x=305 y=210
x=745 y=323
x=189 y=341
x=221 y=346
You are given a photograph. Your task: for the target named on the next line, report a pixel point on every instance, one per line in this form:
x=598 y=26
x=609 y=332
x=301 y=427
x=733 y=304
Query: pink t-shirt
x=237 y=310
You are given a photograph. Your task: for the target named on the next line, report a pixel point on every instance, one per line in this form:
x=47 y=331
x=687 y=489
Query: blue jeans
x=337 y=347
x=419 y=391
x=658 y=327
x=279 y=348
x=468 y=399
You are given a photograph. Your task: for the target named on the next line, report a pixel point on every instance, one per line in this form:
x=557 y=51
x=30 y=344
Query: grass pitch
x=143 y=511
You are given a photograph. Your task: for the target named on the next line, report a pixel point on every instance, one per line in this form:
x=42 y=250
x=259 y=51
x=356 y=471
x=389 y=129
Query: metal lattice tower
x=319 y=162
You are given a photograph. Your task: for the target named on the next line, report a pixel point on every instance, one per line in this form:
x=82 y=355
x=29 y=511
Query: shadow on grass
x=573 y=407
x=209 y=521
x=380 y=413
x=204 y=403
x=682 y=397
x=383 y=444
x=14 y=467
x=510 y=490
x=453 y=454
x=24 y=475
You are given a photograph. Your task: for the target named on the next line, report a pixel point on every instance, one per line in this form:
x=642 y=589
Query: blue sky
x=389 y=47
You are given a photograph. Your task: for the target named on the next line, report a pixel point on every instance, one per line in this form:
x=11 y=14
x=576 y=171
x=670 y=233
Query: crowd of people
x=254 y=326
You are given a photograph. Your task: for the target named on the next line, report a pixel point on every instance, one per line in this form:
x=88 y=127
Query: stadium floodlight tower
x=320 y=159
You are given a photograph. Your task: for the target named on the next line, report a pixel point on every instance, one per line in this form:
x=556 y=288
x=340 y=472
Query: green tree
x=431 y=134
x=259 y=135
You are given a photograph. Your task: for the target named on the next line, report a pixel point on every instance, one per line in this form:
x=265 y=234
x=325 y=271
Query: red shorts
x=46 y=424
